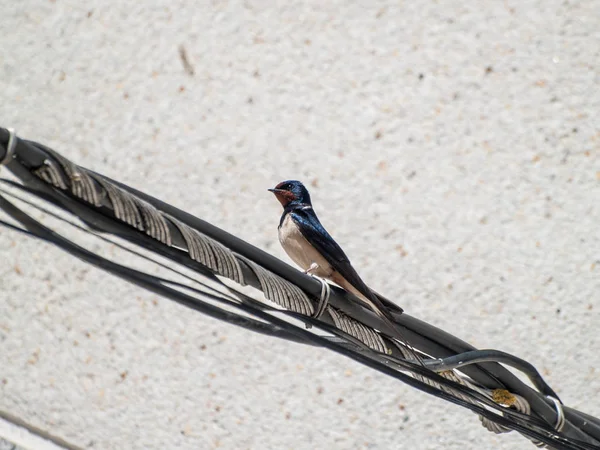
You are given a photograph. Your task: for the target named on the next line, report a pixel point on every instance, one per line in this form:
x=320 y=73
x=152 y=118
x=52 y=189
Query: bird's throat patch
x=285 y=197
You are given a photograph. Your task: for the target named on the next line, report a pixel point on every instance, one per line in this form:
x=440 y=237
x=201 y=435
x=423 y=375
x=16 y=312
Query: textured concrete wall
x=451 y=147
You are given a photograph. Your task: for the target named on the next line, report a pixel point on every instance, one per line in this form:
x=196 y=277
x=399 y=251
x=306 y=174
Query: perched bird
x=310 y=246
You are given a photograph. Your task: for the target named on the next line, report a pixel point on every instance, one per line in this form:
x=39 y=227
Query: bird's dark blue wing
x=319 y=238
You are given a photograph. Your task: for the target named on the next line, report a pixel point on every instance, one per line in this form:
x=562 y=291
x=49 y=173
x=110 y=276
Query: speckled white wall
x=452 y=148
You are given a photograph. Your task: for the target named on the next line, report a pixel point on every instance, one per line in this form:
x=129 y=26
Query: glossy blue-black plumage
x=317 y=236
x=301 y=212
x=312 y=230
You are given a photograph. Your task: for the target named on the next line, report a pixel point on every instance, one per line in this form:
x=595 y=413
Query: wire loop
x=10 y=148
x=323 y=300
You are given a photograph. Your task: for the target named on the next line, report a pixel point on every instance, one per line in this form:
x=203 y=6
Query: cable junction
x=214 y=266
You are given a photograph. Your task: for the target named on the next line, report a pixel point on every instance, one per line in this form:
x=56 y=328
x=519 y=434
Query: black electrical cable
x=156 y=285
x=28 y=155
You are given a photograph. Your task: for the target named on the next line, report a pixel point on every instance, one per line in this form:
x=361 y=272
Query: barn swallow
x=311 y=247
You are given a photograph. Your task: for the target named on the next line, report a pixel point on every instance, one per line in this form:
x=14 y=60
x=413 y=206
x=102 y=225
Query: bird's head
x=291 y=192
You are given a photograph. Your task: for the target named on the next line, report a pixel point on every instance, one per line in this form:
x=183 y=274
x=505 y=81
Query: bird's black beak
x=275 y=191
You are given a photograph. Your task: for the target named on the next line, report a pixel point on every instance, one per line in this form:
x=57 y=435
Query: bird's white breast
x=300 y=250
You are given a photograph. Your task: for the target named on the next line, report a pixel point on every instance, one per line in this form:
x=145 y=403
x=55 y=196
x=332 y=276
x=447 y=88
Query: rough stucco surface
x=452 y=148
